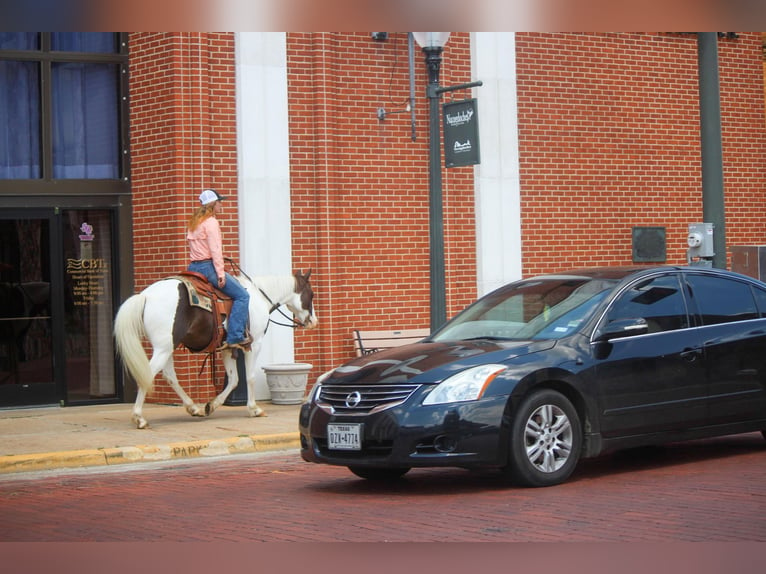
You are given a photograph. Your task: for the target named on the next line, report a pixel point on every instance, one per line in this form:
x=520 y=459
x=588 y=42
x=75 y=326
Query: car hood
x=426 y=362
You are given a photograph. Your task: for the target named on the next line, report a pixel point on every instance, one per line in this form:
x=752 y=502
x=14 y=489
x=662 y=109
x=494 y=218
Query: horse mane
x=275 y=286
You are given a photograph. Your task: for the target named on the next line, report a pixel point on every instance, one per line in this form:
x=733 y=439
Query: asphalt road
x=711 y=490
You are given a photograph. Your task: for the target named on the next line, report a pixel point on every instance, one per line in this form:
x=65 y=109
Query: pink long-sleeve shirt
x=205 y=243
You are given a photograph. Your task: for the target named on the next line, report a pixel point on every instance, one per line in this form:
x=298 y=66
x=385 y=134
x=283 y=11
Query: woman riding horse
x=206 y=253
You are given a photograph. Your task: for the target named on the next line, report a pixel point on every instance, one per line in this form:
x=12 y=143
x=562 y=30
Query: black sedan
x=548 y=370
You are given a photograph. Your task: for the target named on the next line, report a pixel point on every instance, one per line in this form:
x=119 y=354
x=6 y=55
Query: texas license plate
x=344 y=436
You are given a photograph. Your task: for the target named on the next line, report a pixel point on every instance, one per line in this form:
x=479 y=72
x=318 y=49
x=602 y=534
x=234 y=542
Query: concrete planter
x=287 y=382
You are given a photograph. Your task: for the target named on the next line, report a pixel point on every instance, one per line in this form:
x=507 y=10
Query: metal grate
x=364 y=399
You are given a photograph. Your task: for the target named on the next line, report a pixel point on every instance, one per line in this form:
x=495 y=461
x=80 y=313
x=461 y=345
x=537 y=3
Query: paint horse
x=164 y=314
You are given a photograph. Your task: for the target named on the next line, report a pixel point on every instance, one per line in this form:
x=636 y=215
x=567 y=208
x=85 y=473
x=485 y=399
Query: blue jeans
x=235 y=327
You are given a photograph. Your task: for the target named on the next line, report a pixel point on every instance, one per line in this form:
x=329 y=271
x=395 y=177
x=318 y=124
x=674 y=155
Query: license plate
x=344 y=436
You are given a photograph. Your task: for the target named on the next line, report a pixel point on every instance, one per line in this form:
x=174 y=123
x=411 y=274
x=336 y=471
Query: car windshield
x=546 y=308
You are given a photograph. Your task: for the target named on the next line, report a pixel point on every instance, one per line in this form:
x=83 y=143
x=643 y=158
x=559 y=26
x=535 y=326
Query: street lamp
x=432 y=44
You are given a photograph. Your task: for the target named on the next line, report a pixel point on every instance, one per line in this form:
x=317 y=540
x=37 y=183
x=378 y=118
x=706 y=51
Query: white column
x=264 y=175
x=498 y=203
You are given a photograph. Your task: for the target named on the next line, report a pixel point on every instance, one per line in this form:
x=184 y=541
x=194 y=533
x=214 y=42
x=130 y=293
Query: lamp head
x=430 y=40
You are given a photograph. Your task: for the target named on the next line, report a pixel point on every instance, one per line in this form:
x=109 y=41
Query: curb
x=17 y=463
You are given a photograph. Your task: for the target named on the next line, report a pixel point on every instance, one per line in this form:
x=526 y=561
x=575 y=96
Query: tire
x=379 y=474
x=545 y=440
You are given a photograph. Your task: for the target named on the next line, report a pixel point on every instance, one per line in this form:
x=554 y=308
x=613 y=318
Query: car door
x=654 y=381
x=734 y=342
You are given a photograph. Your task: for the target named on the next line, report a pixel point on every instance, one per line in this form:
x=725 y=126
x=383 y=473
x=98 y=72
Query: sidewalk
x=53 y=437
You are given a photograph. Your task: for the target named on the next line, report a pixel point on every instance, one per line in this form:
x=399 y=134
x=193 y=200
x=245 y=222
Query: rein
x=278 y=307
x=274 y=306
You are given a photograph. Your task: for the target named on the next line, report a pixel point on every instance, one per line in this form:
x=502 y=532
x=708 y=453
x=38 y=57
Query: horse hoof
x=258 y=412
x=140 y=422
x=208 y=409
x=195 y=411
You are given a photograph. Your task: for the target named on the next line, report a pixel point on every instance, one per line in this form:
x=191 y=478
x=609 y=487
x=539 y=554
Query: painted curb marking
x=147 y=453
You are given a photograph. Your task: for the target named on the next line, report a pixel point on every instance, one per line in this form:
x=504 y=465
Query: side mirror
x=623 y=328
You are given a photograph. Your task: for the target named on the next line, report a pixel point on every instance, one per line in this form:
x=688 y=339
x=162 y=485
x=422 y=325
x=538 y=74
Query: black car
x=548 y=370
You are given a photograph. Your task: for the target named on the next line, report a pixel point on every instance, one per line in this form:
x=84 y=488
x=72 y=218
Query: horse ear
x=308 y=274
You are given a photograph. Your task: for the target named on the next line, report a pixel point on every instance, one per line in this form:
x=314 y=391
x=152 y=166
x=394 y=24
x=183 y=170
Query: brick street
x=712 y=490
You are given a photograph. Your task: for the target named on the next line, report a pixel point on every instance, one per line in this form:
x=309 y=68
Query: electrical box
x=700 y=242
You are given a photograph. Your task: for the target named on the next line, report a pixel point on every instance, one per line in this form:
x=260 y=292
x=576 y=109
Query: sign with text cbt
x=461 y=133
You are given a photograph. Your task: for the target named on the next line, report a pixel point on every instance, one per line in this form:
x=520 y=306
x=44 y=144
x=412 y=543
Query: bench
x=366 y=342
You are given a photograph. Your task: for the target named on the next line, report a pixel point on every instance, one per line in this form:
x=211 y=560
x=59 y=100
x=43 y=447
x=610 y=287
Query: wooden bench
x=366 y=342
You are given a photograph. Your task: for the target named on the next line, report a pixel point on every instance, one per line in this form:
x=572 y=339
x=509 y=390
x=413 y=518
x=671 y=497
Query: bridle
x=294 y=323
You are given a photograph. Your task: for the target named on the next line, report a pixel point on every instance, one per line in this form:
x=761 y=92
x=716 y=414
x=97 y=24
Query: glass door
x=26 y=312
x=57 y=307
x=88 y=288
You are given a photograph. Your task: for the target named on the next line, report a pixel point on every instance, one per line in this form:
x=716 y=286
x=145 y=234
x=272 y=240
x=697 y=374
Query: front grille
x=371 y=398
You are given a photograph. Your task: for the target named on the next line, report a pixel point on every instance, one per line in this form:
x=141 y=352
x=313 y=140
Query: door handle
x=691 y=355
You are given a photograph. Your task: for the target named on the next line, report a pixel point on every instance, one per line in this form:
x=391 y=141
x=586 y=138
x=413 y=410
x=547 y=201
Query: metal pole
x=713 y=209
x=411 y=55
x=435 y=210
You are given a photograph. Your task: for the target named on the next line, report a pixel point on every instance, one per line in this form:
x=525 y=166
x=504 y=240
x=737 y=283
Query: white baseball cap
x=209 y=196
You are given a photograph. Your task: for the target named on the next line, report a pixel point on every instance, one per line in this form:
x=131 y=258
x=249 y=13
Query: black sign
x=461 y=133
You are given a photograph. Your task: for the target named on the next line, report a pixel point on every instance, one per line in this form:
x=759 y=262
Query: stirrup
x=243 y=345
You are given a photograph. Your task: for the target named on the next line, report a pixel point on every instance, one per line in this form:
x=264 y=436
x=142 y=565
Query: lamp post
x=432 y=44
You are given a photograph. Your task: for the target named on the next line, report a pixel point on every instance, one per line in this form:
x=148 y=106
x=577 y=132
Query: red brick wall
x=360 y=188
x=183 y=138
x=609 y=139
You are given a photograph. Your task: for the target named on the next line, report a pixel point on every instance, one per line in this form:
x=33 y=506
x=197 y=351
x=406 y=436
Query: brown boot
x=243 y=345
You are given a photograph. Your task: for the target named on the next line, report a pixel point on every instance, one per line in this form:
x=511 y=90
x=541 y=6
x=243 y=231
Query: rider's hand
x=221 y=282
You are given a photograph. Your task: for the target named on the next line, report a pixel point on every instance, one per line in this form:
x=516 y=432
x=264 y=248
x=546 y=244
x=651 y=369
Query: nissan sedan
x=546 y=371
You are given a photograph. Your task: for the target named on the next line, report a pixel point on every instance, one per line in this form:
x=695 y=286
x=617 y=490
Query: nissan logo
x=353 y=399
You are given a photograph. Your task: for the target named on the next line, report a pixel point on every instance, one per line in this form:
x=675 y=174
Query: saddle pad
x=196 y=299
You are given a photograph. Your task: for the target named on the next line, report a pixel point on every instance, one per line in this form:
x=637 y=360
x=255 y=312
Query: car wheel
x=545 y=441
x=381 y=474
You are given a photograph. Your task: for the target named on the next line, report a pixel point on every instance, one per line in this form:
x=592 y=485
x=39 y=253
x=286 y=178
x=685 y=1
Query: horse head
x=301 y=303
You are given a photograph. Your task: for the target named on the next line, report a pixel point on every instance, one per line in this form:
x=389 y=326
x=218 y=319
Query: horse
x=163 y=314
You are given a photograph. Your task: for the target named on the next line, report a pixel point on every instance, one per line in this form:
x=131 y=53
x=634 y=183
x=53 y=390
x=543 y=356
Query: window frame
x=45 y=57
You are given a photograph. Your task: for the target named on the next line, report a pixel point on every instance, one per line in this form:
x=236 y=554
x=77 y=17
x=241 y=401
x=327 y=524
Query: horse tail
x=129 y=333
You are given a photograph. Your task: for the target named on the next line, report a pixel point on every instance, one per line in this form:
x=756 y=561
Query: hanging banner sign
x=461 y=133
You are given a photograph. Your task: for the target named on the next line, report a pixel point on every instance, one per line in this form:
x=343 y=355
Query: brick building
x=584 y=137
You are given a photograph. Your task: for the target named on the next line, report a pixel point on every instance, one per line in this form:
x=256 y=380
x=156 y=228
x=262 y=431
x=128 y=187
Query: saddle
x=204 y=295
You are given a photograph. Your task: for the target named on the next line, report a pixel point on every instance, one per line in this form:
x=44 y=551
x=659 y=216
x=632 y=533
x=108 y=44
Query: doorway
x=56 y=307
x=26 y=320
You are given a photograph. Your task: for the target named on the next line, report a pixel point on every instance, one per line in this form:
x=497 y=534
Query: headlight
x=314 y=392
x=468 y=385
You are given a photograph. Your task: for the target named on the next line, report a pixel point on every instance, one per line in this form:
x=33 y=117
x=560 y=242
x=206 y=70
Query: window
x=85 y=121
x=760 y=300
x=720 y=300
x=19 y=41
x=96 y=42
x=61 y=104
x=20 y=115
x=658 y=300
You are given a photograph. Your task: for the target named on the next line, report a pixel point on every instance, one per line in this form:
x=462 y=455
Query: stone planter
x=287 y=382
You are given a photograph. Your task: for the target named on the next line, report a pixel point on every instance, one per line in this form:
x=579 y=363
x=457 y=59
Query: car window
x=533 y=309
x=658 y=300
x=760 y=300
x=722 y=300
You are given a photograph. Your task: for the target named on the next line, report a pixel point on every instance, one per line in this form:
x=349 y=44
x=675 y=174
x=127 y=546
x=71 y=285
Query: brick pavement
x=712 y=490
